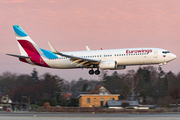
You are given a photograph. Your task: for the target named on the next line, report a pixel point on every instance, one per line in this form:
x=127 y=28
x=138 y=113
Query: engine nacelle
x=108 y=64
x=119 y=67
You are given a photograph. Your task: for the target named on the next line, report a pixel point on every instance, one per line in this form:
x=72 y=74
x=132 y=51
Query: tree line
x=147 y=85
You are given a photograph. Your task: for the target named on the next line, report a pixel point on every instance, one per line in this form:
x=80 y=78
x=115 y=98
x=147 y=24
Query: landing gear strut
x=91 y=72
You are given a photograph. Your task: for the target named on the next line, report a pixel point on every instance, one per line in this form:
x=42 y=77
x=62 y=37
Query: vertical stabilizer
x=26 y=45
x=29 y=50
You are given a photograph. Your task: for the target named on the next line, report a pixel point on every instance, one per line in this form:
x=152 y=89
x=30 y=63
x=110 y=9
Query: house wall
x=95 y=102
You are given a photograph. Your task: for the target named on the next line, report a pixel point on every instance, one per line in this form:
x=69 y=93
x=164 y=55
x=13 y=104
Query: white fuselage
x=124 y=57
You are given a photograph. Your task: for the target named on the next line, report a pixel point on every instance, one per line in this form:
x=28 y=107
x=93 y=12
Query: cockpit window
x=165 y=52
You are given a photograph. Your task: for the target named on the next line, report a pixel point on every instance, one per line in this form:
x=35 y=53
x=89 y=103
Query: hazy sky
x=70 y=25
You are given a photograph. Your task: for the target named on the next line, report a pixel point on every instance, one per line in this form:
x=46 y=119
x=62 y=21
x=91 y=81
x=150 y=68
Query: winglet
x=87 y=48
x=52 y=48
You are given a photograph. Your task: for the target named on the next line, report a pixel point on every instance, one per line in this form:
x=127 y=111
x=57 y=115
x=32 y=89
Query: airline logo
x=164 y=55
x=139 y=51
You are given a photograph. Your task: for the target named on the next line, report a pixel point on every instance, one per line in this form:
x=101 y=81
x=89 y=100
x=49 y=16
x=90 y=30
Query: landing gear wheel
x=91 y=72
x=97 y=72
x=159 y=68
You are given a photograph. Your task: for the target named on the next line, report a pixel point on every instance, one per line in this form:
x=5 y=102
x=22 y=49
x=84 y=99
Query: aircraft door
x=155 y=53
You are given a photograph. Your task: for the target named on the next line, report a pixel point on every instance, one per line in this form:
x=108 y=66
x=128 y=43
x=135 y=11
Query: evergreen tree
x=34 y=75
x=85 y=86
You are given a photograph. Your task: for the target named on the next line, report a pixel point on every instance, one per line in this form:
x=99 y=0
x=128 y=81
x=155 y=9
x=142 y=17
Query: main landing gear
x=91 y=72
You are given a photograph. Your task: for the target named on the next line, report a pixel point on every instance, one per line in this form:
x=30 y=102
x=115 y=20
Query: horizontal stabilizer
x=19 y=56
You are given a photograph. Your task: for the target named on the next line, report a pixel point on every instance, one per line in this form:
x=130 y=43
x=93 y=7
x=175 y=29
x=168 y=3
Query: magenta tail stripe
x=33 y=53
x=28 y=47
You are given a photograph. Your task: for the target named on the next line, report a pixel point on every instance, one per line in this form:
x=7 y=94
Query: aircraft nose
x=173 y=56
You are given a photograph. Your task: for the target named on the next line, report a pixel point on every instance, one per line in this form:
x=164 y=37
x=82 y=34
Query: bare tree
x=153 y=75
x=132 y=81
x=174 y=92
x=7 y=81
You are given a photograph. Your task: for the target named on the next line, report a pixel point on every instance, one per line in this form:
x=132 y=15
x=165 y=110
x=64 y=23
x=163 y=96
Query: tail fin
x=26 y=45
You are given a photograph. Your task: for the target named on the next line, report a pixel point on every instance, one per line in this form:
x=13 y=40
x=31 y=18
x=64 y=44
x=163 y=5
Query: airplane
x=109 y=59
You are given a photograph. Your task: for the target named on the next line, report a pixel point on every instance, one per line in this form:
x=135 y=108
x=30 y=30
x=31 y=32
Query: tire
x=91 y=72
x=97 y=72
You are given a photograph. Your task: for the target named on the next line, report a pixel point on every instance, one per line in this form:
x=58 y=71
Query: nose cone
x=173 y=56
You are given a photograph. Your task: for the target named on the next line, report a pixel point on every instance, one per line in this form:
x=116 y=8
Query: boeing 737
x=111 y=59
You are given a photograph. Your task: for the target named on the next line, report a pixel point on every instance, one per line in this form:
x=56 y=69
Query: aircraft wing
x=75 y=59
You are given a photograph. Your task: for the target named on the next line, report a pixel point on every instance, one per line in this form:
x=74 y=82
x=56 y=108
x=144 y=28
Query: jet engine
x=108 y=64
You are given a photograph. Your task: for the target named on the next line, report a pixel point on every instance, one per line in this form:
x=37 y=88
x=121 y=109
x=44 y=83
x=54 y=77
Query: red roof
x=97 y=90
x=66 y=95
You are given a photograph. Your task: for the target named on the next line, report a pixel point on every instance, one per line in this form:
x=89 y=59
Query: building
x=5 y=102
x=96 y=97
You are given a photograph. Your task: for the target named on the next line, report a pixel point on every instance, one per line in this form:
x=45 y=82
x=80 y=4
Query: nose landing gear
x=160 y=68
x=160 y=64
